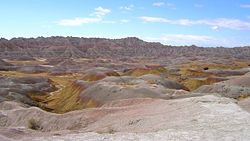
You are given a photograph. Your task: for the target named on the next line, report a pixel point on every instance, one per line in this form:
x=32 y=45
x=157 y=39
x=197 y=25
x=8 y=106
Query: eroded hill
x=70 y=88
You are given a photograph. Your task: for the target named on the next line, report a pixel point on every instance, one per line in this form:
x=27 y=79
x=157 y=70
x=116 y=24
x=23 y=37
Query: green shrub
x=34 y=124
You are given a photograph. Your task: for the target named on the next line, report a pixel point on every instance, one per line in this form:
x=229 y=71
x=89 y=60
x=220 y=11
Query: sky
x=208 y=23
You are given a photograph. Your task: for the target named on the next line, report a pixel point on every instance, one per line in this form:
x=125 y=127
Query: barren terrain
x=68 y=88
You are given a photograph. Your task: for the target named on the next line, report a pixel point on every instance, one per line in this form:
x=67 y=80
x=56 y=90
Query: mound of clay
x=206 y=118
x=98 y=73
x=64 y=66
x=221 y=72
x=54 y=61
x=245 y=104
x=194 y=83
x=125 y=87
x=33 y=69
x=20 y=88
x=156 y=79
x=59 y=71
x=68 y=98
x=243 y=81
x=5 y=66
x=10 y=105
x=193 y=77
x=88 y=94
x=146 y=70
x=67 y=63
x=3 y=63
x=233 y=88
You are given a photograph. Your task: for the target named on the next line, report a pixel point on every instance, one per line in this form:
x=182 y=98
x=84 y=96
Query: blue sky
x=174 y=22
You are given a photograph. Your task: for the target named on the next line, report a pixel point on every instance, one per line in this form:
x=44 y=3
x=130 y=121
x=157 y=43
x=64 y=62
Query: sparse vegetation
x=133 y=122
x=34 y=124
x=206 y=68
x=111 y=131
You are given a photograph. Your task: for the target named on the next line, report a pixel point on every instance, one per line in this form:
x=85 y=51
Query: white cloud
x=78 y=21
x=215 y=27
x=219 y=23
x=227 y=23
x=154 y=19
x=199 y=40
x=158 y=4
x=186 y=39
x=127 y=8
x=99 y=11
x=245 y=5
x=163 y=4
x=183 y=39
x=98 y=18
x=183 y=22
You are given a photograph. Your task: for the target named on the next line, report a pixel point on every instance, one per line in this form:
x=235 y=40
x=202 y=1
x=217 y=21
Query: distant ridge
x=75 y=47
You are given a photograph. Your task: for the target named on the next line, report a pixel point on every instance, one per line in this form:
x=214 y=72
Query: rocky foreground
x=126 y=89
x=199 y=118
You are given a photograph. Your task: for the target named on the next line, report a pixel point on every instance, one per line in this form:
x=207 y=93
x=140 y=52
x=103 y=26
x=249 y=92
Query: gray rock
x=18 y=88
x=232 y=88
x=197 y=118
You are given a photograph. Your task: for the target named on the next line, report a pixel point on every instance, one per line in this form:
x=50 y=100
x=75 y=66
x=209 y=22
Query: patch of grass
x=34 y=124
x=111 y=131
x=133 y=122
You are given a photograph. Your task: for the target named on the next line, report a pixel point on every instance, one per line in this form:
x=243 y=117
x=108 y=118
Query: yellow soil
x=235 y=64
x=143 y=71
x=32 y=62
x=193 y=84
x=67 y=99
x=60 y=80
x=194 y=69
x=96 y=76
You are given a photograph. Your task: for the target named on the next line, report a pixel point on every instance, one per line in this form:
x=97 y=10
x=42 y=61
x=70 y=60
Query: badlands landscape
x=96 y=89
